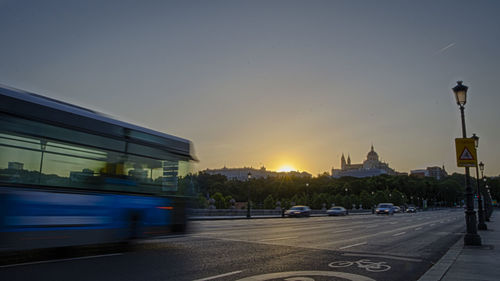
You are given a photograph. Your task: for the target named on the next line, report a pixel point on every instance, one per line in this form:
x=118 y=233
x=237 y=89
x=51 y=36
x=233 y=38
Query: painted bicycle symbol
x=366 y=264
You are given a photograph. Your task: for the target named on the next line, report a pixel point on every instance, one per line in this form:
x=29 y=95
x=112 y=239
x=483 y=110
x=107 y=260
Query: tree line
x=324 y=191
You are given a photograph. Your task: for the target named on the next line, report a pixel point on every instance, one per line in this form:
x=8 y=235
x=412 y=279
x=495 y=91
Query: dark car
x=336 y=211
x=385 y=209
x=298 y=211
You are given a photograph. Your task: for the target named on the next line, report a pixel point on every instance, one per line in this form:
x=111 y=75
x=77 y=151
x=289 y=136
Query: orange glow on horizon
x=286 y=168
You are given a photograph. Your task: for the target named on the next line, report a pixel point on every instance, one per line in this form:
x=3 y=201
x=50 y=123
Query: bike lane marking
x=354 y=245
x=398 y=234
x=368 y=265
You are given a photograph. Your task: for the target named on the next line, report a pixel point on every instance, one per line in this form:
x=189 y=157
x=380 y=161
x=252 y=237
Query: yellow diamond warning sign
x=466 y=152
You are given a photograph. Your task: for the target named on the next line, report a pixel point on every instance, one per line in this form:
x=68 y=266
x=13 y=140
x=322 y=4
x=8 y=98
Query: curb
x=207 y=218
x=438 y=270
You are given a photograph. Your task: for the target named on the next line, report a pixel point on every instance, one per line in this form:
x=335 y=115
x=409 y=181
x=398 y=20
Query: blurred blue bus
x=71 y=176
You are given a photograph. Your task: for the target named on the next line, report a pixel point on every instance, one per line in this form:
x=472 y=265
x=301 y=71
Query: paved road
x=369 y=247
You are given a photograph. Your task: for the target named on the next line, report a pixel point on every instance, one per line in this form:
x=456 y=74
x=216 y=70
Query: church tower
x=342 y=162
x=348 y=160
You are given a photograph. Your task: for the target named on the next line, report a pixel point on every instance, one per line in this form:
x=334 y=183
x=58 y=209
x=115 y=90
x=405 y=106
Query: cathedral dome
x=372 y=155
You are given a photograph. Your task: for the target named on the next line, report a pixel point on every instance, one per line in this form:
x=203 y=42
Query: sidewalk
x=471 y=263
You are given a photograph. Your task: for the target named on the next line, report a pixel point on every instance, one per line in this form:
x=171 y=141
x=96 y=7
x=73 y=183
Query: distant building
x=16 y=166
x=437 y=172
x=371 y=167
x=241 y=174
x=434 y=172
x=420 y=173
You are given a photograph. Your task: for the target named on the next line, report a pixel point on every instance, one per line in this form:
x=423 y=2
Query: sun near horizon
x=286 y=168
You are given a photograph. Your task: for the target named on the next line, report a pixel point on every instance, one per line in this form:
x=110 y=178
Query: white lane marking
x=354 y=245
x=300 y=274
x=418 y=228
x=60 y=260
x=281 y=238
x=219 y=276
x=397 y=234
x=382 y=256
x=372 y=226
x=343 y=230
x=394 y=222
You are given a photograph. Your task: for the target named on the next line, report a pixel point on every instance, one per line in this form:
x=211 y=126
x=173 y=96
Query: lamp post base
x=472 y=240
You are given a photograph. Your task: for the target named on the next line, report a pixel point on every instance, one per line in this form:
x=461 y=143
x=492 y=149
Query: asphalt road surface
x=357 y=248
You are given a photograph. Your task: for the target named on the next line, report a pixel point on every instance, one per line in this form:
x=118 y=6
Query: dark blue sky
x=271 y=83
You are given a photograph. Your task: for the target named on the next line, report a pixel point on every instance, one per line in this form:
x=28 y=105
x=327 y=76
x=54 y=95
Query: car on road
x=337 y=211
x=397 y=209
x=385 y=209
x=298 y=211
x=411 y=209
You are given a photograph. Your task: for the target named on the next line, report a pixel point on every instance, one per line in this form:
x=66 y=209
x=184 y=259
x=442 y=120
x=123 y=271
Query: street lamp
x=249 y=177
x=480 y=210
x=487 y=199
x=471 y=237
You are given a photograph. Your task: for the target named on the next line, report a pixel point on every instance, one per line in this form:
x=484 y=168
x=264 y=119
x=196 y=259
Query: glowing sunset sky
x=271 y=83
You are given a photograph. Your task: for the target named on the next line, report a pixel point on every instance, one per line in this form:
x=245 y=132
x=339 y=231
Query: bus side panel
x=33 y=219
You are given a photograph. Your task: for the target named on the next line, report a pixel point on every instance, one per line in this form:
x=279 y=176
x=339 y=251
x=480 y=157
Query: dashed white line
x=343 y=230
x=382 y=256
x=418 y=228
x=60 y=260
x=219 y=276
x=398 y=234
x=354 y=245
x=281 y=238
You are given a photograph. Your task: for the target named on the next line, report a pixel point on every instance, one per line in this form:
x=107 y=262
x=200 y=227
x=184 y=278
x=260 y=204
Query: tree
x=380 y=197
x=220 y=201
x=269 y=202
x=365 y=200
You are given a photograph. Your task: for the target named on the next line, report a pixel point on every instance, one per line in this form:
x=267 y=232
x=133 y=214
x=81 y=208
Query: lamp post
x=489 y=210
x=480 y=210
x=249 y=177
x=471 y=237
x=483 y=180
x=43 y=146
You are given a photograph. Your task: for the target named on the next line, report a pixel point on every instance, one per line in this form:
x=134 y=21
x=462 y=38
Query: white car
x=336 y=211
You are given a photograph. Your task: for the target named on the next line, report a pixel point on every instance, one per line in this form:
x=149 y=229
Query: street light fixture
x=249 y=177
x=481 y=168
x=471 y=237
x=476 y=140
x=460 y=93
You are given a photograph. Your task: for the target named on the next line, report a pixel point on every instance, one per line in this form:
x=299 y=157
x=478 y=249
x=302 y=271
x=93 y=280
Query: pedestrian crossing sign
x=466 y=152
